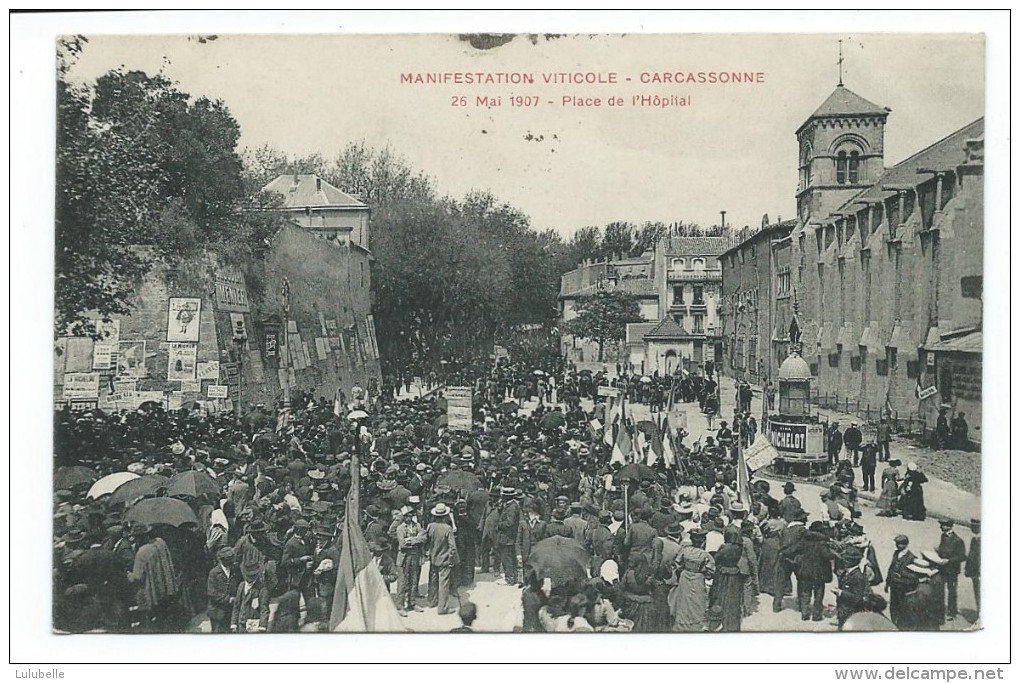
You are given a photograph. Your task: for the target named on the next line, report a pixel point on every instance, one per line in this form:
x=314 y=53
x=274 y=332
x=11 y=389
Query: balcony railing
x=688 y=275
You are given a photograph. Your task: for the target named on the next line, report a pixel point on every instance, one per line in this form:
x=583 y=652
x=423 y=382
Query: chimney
x=723 y=214
x=318 y=184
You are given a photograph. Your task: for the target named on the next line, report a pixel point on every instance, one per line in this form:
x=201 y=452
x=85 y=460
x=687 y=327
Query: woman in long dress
x=912 y=494
x=890 y=491
x=637 y=594
x=727 y=595
x=689 y=599
x=768 y=564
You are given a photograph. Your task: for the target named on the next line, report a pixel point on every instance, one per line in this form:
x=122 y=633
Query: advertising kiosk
x=795 y=434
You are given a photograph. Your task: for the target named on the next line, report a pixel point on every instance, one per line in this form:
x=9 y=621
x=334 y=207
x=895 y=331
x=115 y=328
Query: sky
x=732 y=147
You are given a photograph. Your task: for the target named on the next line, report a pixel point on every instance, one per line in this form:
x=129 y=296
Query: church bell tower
x=842 y=151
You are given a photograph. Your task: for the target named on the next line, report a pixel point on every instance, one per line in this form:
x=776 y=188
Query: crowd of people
x=666 y=548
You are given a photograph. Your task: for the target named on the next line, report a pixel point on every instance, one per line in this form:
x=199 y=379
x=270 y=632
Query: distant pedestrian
x=869 y=454
x=852 y=439
x=834 y=444
x=884 y=437
x=973 y=570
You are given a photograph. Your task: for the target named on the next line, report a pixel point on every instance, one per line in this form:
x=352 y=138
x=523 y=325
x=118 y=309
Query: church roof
x=845 y=102
x=306 y=190
x=667 y=329
x=943 y=155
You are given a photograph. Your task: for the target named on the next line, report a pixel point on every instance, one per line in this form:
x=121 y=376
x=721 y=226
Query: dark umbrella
x=508 y=407
x=553 y=421
x=74 y=477
x=193 y=484
x=136 y=488
x=460 y=480
x=635 y=471
x=559 y=559
x=648 y=427
x=147 y=406
x=161 y=511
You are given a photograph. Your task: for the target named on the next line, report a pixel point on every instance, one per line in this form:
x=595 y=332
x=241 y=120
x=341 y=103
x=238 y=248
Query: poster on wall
x=208 y=370
x=191 y=387
x=231 y=292
x=131 y=360
x=182 y=323
x=239 y=330
x=108 y=330
x=81 y=385
x=182 y=362
x=102 y=355
x=78 y=354
x=217 y=391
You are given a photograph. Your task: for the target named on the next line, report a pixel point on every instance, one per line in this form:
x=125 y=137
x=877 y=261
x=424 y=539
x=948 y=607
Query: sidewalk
x=947 y=471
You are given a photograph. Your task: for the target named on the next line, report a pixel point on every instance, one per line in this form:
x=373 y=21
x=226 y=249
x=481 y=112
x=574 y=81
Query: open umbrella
x=110 y=483
x=73 y=477
x=553 y=420
x=161 y=511
x=537 y=372
x=193 y=484
x=646 y=380
x=508 y=407
x=559 y=559
x=131 y=490
x=357 y=415
x=460 y=480
x=648 y=427
x=635 y=471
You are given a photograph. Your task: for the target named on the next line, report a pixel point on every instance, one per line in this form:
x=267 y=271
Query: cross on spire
x=840 y=63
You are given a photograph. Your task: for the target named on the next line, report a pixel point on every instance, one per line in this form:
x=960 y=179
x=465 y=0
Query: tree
x=603 y=316
x=618 y=238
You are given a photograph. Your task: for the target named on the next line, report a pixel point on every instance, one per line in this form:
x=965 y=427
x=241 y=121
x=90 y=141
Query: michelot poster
x=181 y=362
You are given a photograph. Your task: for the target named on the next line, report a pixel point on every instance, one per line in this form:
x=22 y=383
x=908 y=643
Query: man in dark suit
x=789 y=542
x=814 y=570
x=296 y=562
x=601 y=541
x=533 y=529
x=954 y=552
x=835 y=444
x=973 y=570
x=789 y=507
x=221 y=591
x=869 y=457
x=899 y=580
x=507 y=531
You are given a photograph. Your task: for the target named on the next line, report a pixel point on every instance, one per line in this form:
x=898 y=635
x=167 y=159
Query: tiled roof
x=667 y=328
x=637 y=331
x=696 y=246
x=845 y=102
x=302 y=190
x=944 y=155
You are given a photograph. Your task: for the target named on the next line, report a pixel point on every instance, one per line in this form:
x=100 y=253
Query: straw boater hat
x=440 y=510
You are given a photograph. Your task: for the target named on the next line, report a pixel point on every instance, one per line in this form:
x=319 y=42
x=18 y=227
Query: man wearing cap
x=221 y=590
x=507 y=532
x=666 y=546
x=442 y=555
x=899 y=579
x=973 y=571
x=834 y=443
x=601 y=541
x=953 y=551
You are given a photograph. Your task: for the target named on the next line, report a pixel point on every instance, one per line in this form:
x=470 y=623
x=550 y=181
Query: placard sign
x=608 y=391
x=217 y=391
x=458 y=408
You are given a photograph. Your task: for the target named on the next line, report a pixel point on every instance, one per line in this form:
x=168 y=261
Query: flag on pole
x=743 y=482
x=622 y=446
x=361 y=602
x=282 y=419
x=668 y=453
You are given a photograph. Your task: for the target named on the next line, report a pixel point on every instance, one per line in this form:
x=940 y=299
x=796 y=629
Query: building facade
x=755 y=310
x=885 y=268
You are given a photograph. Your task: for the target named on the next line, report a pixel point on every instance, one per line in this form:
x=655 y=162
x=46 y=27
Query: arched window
x=698 y=264
x=678 y=263
x=841 y=168
x=854 y=168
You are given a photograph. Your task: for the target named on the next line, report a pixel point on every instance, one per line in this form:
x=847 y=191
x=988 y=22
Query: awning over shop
x=966 y=342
